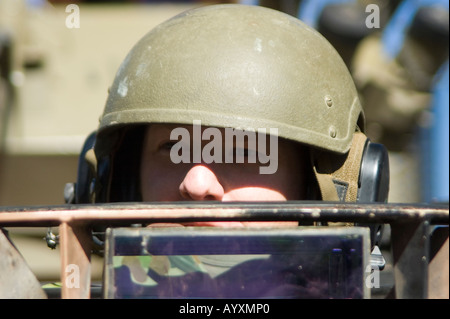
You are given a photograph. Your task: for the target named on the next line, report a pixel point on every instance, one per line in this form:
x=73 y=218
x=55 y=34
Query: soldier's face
x=162 y=179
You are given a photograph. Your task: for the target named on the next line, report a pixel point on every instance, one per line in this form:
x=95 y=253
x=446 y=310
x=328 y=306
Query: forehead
x=162 y=129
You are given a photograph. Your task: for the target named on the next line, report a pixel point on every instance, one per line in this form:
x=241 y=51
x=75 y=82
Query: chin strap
x=338 y=179
x=338 y=175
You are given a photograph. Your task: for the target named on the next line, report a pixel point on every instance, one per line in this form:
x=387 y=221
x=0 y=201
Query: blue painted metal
x=395 y=31
x=438 y=178
x=309 y=11
x=249 y=2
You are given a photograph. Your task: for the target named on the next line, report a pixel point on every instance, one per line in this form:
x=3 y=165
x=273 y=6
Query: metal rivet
x=332 y=131
x=329 y=101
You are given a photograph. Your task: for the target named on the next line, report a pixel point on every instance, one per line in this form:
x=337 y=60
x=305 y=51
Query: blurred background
x=55 y=70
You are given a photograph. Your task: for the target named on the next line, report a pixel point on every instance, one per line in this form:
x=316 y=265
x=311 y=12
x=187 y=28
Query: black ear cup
x=373 y=184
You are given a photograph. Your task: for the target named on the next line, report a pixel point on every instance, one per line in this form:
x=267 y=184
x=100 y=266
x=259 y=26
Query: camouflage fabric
x=140 y=266
x=275 y=276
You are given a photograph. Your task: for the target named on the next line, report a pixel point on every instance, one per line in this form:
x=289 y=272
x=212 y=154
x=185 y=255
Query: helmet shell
x=245 y=67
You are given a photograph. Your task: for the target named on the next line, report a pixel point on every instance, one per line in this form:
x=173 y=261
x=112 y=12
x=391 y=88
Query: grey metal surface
x=16 y=279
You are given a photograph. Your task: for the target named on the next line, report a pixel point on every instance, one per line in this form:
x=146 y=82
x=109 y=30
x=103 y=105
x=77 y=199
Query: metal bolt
x=51 y=239
x=332 y=131
x=69 y=193
x=329 y=101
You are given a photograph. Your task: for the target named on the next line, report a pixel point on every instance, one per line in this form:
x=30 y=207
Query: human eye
x=245 y=154
x=241 y=151
x=166 y=145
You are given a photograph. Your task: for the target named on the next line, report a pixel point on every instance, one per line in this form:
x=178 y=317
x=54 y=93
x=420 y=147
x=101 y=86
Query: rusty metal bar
x=183 y=212
x=75 y=243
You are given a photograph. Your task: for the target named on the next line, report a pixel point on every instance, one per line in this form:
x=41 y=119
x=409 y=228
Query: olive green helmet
x=241 y=67
x=236 y=66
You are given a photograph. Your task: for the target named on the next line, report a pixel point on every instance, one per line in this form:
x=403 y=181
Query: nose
x=201 y=183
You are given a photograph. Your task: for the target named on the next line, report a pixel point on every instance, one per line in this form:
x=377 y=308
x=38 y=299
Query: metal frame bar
x=75 y=242
x=410 y=248
x=301 y=211
x=438 y=267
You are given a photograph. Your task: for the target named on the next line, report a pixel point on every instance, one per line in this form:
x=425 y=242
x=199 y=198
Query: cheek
x=292 y=184
x=285 y=184
x=291 y=177
x=159 y=185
